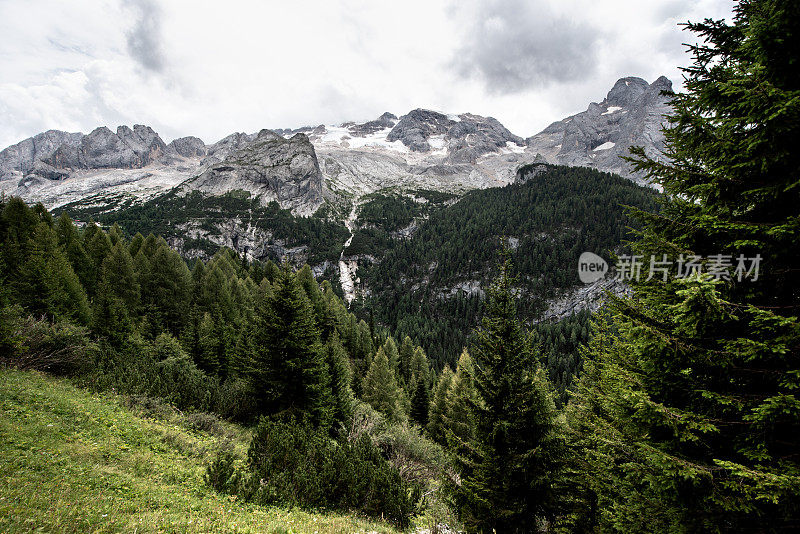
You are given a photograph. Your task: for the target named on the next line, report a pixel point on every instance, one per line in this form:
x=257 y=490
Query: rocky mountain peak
x=415 y=128
x=101 y=148
x=386 y=120
x=188 y=147
x=632 y=114
x=270 y=168
x=626 y=91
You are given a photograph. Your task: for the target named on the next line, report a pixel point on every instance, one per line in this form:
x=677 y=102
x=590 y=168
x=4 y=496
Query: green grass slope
x=71 y=461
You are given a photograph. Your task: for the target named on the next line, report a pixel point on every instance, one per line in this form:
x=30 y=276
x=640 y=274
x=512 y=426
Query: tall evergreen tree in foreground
x=289 y=373
x=506 y=468
x=688 y=410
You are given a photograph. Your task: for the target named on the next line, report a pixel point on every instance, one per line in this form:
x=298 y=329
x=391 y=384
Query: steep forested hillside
x=201 y=224
x=430 y=286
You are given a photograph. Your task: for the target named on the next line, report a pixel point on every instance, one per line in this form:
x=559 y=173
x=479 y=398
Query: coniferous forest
x=673 y=408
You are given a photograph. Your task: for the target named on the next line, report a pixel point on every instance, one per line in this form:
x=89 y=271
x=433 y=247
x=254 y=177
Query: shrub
x=205 y=422
x=60 y=348
x=293 y=464
x=233 y=400
x=416 y=458
x=135 y=370
x=223 y=473
x=149 y=407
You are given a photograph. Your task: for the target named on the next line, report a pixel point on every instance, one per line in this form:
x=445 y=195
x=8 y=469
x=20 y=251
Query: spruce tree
x=406 y=355
x=506 y=470
x=339 y=372
x=116 y=302
x=48 y=285
x=689 y=399
x=420 y=368
x=289 y=373
x=209 y=345
x=420 y=403
x=393 y=355
x=70 y=240
x=97 y=245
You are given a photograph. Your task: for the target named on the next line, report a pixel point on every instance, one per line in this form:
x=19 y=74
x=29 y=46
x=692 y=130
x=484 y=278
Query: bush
x=60 y=348
x=416 y=458
x=178 y=380
x=205 y=422
x=223 y=473
x=136 y=370
x=149 y=407
x=233 y=400
x=293 y=464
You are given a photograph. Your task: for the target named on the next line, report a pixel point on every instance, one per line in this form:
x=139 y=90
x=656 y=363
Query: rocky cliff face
x=188 y=147
x=20 y=159
x=271 y=168
x=631 y=115
x=102 y=148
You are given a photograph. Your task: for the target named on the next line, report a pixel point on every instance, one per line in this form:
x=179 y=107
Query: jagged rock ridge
x=631 y=115
x=271 y=168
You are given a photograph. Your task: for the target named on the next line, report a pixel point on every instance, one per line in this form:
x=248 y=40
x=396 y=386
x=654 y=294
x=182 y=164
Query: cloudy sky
x=208 y=68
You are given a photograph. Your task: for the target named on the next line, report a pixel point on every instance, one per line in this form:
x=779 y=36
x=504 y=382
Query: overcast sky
x=209 y=68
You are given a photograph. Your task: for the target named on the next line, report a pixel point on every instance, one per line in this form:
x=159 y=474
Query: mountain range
x=302 y=168
x=254 y=192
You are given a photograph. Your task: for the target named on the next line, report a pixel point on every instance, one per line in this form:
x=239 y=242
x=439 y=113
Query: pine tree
x=393 y=355
x=690 y=395
x=209 y=345
x=48 y=285
x=97 y=245
x=507 y=468
x=289 y=373
x=69 y=239
x=420 y=368
x=380 y=387
x=166 y=286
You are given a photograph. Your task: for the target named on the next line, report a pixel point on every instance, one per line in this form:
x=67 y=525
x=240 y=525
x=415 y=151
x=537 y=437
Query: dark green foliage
x=438 y=407
x=458 y=419
x=158 y=368
x=36 y=270
x=555 y=216
x=690 y=397
x=420 y=403
x=339 y=373
x=558 y=345
x=381 y=216
x=507 y=468
x=164 y=216
x=116 y=301
x=293 y=464
x=380 y=387
x=289 y=371
x=60 y=348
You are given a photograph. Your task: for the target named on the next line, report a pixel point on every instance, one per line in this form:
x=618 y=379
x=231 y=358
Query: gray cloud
x=144 y=39
x=516 y=45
